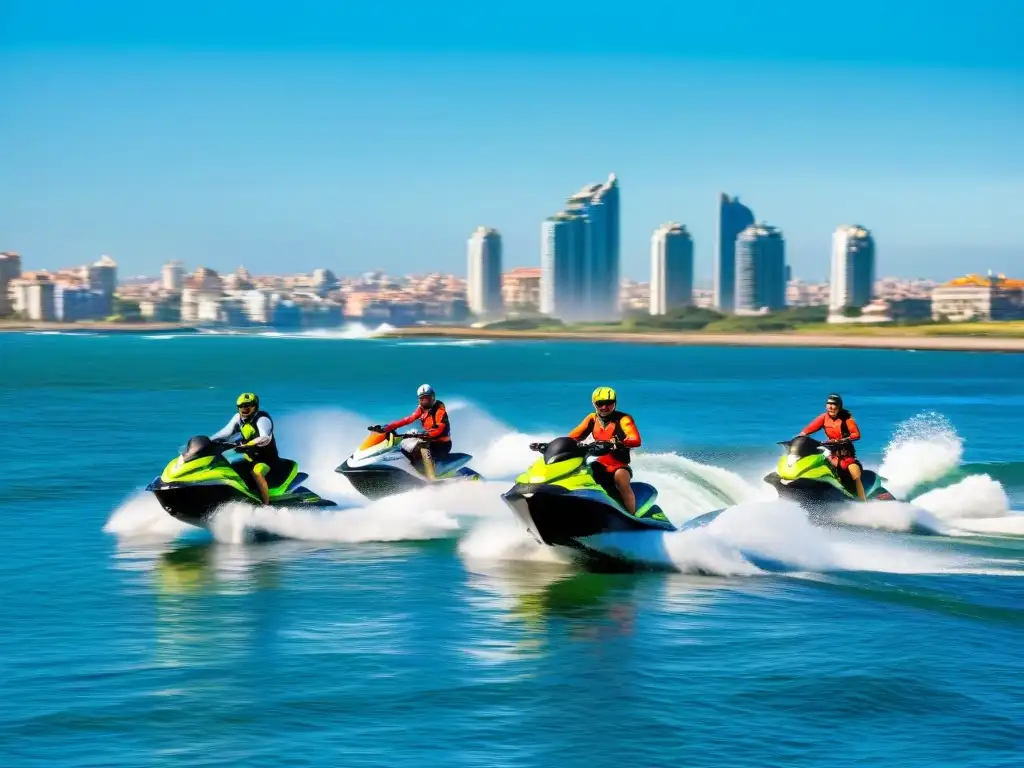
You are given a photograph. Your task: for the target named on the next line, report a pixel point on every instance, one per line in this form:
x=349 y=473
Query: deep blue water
x=428 y=630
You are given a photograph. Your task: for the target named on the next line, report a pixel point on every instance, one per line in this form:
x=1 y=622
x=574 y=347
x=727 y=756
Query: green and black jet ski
x=805 y=475
x=561 y=499
x=198 y=481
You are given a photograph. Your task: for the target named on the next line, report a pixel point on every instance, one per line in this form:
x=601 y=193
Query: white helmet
x=425 y=389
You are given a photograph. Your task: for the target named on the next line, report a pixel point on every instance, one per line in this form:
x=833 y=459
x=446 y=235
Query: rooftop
x=979 y=281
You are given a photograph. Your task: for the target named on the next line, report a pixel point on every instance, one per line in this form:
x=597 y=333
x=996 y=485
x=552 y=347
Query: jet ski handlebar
x=595 y=448
x=400 y=435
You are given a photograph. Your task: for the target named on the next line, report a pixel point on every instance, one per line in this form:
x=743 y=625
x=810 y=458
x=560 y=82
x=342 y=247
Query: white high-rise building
x=483 y=277
x=671 y=268
x=853 y=268
x=173 y=276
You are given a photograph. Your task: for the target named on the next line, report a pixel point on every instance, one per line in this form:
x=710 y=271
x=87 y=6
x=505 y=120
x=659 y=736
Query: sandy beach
x=948 y=343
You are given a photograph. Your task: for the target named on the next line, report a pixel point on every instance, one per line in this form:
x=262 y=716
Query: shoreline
x=29 y=326
x=784 y=339
x=951 y=343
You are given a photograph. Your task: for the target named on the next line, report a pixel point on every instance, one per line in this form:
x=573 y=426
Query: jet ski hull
x=821 y=498
x=557 y=517
x=379 y=482
x=193 y=504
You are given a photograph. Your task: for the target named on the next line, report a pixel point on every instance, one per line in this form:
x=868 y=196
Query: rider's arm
x=632 y=439
x=417 y=414
x=265 y=428
x=440 y=422
x=854 y=429
x=584 y=429
x=227 y=430
x=814 y=426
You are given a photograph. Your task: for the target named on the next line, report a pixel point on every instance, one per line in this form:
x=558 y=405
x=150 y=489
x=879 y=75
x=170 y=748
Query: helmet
x=248 y=399
x=834 y=398
x=425 y=390
x=603 y=394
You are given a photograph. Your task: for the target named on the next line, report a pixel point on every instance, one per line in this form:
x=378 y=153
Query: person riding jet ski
x=436 y=442
x=607 y=424
x=841 y=430
x=258 y=444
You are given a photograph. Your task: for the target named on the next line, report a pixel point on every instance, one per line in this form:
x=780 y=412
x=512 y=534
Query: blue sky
x=292 y=136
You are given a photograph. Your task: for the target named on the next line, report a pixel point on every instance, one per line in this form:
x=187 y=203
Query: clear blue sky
x=288 y=136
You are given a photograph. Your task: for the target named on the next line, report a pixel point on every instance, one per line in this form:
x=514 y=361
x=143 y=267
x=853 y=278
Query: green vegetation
x=804 y=320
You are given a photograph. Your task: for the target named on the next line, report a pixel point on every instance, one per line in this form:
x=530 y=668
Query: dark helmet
x=834 y=398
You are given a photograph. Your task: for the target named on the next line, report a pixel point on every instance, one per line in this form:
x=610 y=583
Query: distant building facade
x=671 y=268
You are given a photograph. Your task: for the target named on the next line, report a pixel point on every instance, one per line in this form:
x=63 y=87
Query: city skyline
x=305 y=144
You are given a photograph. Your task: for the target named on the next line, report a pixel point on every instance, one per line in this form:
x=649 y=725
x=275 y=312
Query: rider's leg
x=622 y=478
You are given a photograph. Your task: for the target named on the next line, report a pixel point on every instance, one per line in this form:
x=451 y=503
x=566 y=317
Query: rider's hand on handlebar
x=538 y=447
x=375 y=428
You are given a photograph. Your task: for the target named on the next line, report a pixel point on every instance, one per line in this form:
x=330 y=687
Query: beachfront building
x=671 y=269
x=853 y=268
x=580 y=249
x=32 y=295
x=173 y=276
x=563 y=238
x=973 y=297
x=520 y=288
x=101 y=277
x=761 y=272
x=10 y=270
x=483 y=274
x=733 y=218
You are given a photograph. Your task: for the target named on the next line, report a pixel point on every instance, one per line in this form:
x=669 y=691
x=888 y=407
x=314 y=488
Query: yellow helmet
x=603 y=393
x=248 y=398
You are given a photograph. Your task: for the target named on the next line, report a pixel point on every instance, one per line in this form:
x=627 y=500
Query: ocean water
x=428 y=629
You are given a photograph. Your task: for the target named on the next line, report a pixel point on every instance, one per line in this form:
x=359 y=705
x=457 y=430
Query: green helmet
x=248 y=398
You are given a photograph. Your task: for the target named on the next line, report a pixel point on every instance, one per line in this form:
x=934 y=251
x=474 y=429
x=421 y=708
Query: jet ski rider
x=841 y=430
x=607 y=423
x=258 y=444
x=436 y=442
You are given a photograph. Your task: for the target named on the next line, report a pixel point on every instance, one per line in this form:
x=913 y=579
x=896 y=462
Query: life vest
x=837 y=429
x=264 y=453
x=437 y=415
x=607 y=429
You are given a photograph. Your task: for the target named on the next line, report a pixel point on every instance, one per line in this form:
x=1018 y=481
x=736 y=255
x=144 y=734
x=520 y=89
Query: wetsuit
x=437 y=428
x=842 y=427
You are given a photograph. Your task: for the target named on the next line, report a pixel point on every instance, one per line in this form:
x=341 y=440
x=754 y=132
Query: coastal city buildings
x=671 y=268
x=973 y=297
x=577 y=280
x=733 y=218
x=761 y=273
x=10 y=270
x=483 y=274
x=580 y=256
x=853 y=268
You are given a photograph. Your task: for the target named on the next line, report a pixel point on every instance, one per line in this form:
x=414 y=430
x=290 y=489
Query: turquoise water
x=428 y=630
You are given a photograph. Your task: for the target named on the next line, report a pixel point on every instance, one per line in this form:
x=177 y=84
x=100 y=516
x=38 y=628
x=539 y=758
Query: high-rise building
x=102 y=278
x=563 y=238
x=173 y=276
x=733 y=218
x=594 y=266
x=483 y=276
x=10 y=270
x=760 y=269
x=853 y=268
x=671 y=268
